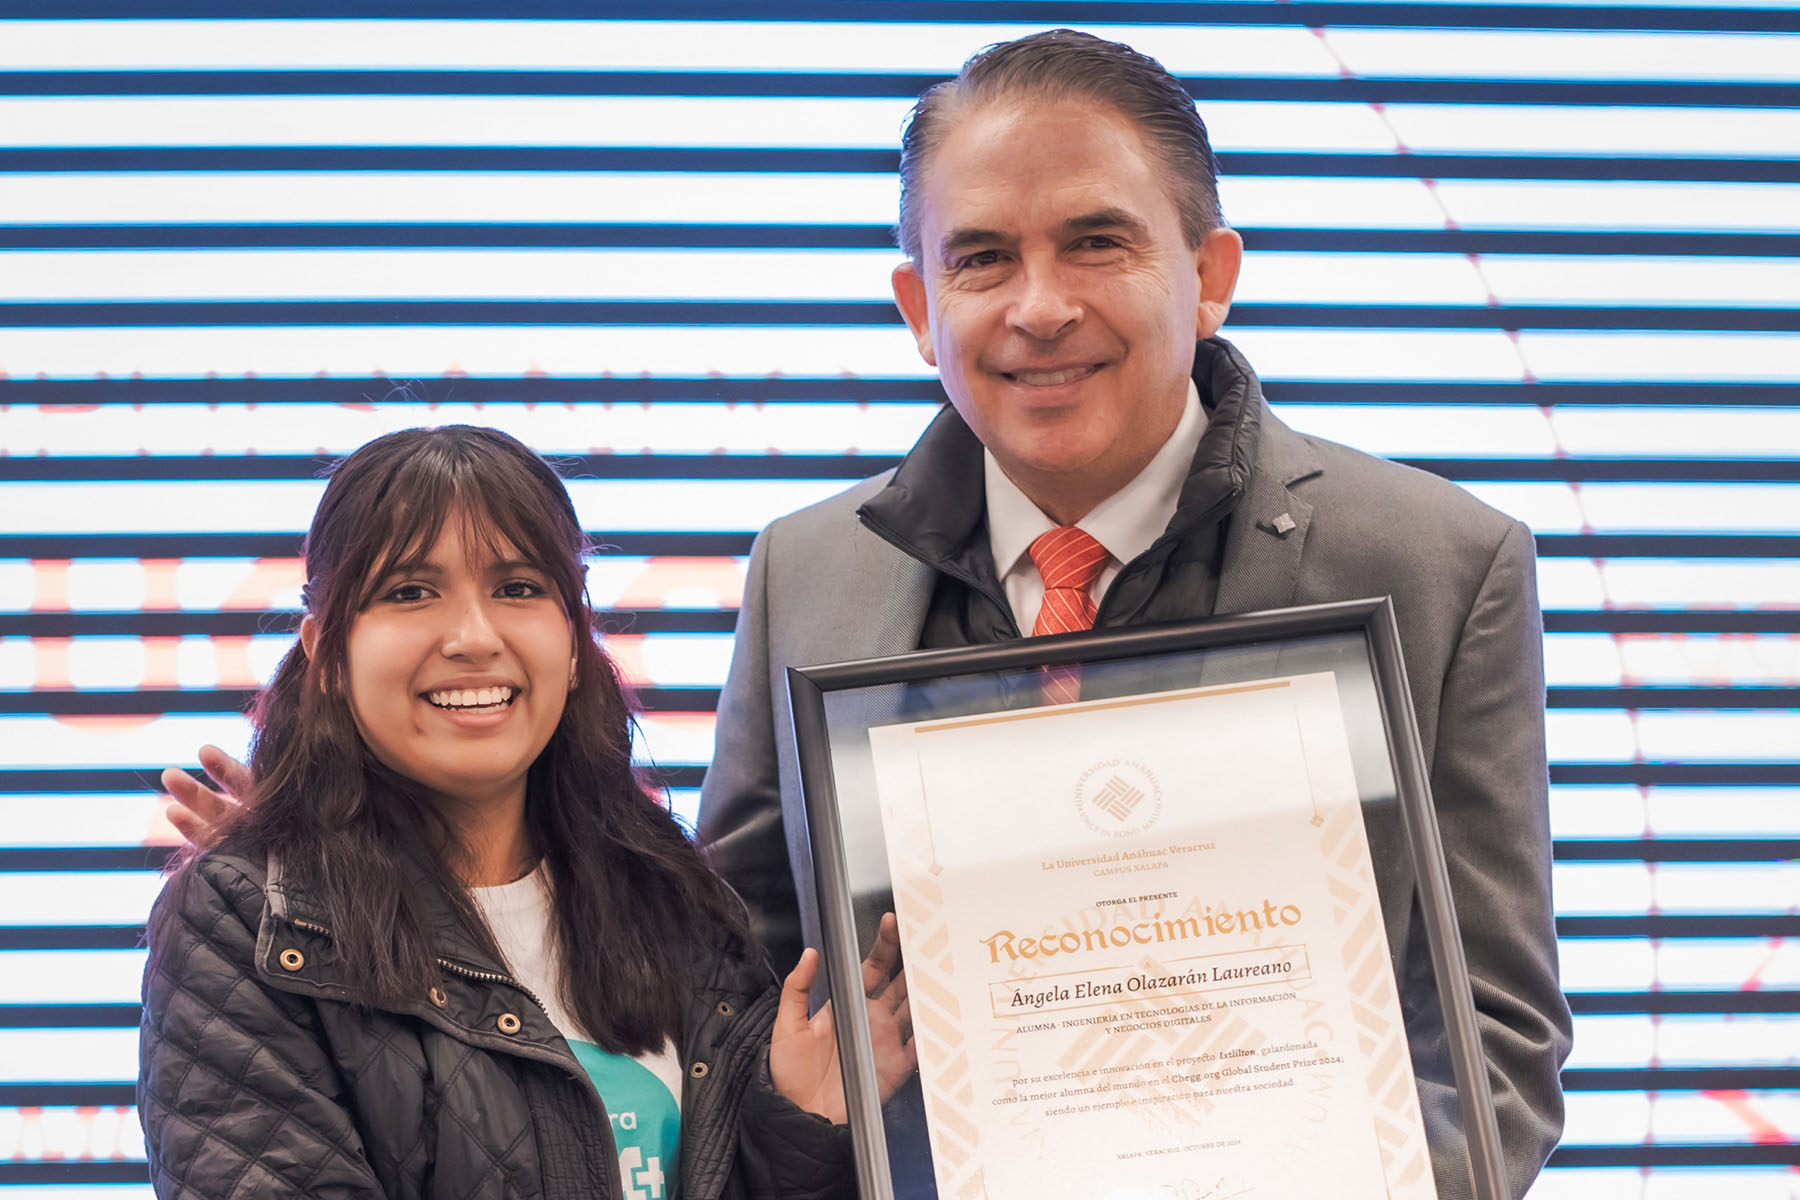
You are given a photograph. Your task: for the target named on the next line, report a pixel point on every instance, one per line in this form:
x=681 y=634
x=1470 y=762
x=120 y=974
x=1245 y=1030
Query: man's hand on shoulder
x=197 y=811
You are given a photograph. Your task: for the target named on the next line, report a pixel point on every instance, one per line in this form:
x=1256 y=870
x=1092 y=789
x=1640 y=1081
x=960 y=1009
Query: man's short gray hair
x=1060 y=64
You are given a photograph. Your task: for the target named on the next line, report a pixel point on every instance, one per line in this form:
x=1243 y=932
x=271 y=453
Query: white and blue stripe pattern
x=1550 y=250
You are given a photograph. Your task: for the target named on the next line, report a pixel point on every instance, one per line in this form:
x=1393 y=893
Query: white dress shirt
x=1126 y=522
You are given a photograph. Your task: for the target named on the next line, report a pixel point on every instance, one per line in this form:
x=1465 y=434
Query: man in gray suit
x=1068 y=272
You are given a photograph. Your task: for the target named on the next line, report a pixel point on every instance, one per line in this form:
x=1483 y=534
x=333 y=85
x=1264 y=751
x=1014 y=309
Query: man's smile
x=1048 y=377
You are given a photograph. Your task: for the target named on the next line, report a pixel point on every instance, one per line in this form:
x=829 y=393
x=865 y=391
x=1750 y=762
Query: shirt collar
x=1126 y=522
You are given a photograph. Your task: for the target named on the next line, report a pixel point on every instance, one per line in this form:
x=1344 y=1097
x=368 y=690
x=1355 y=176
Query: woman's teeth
x=478 y=699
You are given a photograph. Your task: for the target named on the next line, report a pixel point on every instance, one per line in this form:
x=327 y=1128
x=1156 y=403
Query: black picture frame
x=1269 y=631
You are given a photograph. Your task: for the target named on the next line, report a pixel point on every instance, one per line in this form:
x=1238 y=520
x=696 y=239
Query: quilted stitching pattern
x=273 y=1087
x=261 y=1107
x=248 y=1088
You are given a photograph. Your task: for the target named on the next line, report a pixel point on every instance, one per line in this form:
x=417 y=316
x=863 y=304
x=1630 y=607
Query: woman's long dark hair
x=631 y=894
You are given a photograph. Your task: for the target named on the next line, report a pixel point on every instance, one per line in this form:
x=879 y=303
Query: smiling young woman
x=453 y=947
x=458 y=672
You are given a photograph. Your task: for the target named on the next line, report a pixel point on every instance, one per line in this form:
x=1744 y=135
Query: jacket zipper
x=453 y=967
x=492 y=977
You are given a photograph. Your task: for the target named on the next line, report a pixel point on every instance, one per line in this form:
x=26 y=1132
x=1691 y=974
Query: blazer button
x=292 y=960
x=725 y=1009
x=508 y=1023
x=437 y=997
x=699 y=1070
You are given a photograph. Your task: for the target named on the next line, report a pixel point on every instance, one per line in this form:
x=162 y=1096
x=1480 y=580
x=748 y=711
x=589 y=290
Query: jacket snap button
x=699 y=1070
x=292 y=960
x=437 y=997
x=725 y=1009
x=508 y=1023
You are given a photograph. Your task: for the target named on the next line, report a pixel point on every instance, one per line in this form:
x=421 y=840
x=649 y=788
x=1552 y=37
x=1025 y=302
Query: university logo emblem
x=1117 y=797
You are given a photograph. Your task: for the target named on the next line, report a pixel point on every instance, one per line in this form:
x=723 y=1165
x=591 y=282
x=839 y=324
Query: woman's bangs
x=397 y=534
x=508 y=506
x=513 y=523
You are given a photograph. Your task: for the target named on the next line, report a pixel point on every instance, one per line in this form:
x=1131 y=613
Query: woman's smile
x=459 y=669
x=468 y=700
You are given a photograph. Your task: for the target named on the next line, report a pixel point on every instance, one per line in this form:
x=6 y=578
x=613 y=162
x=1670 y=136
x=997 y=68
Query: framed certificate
x=1173 y=913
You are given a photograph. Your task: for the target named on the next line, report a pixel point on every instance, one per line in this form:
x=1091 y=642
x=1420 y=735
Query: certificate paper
x=1145 y=954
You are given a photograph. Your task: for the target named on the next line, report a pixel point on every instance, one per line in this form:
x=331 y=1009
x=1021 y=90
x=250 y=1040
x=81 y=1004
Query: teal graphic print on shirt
x=646 y=1121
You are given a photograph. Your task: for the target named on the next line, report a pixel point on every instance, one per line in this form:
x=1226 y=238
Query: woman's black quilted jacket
x=258 y=1078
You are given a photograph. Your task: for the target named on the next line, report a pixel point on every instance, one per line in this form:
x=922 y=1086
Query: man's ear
x=1220 y=255
x=915 y=307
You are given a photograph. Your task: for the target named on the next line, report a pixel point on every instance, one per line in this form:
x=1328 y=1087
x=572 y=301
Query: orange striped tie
x=1068 y=560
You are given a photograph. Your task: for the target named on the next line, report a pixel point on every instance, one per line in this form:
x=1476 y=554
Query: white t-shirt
x=642 y=1094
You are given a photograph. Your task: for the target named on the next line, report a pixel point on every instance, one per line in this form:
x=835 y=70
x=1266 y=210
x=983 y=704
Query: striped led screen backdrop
x=1550 y=252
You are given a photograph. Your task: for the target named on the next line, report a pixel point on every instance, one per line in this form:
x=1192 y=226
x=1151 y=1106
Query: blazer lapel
x=897 y=588
x=1262 y=571
x=871 y=603
x=1269 y=526
x=864 y=599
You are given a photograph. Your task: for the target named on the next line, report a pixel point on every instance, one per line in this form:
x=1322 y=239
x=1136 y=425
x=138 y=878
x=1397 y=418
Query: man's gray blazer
x=822 y=588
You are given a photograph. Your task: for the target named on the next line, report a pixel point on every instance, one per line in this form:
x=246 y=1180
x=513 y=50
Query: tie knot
x=1068 y=557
